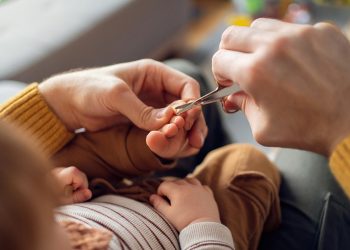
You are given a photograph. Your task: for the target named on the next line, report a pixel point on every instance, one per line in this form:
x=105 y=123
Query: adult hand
x=190 y=202
x=295 y=82
x=137 y=91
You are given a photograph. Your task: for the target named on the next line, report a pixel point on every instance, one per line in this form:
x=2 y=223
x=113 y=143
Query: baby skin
x=186 y=197
x=233 y=180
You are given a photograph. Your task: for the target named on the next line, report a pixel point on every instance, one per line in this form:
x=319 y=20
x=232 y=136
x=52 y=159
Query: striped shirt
x=136 y=225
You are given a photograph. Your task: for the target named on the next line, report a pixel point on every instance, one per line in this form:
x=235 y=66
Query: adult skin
x=295 y=82
x=138 y=91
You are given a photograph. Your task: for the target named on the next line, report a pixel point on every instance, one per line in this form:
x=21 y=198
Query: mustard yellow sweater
x=29 y=110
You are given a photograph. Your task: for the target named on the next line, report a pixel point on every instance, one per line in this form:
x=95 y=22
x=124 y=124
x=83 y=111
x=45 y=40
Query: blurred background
x=39 y=38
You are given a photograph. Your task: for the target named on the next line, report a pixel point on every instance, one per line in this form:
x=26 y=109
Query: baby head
x=27 y=195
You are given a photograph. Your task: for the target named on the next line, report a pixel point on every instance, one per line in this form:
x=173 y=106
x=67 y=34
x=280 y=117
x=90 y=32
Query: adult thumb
x=143 y=116
x=150 y=118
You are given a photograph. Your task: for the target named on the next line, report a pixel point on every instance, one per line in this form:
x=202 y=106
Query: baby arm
x=73 y=185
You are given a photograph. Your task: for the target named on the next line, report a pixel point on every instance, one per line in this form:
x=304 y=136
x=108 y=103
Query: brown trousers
x=245 y=185
x=244 y=182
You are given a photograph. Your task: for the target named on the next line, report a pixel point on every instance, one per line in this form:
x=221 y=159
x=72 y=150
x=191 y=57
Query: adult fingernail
x=161 y=113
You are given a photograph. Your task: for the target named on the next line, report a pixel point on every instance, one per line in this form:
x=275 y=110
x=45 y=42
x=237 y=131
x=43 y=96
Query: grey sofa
x=39 y=38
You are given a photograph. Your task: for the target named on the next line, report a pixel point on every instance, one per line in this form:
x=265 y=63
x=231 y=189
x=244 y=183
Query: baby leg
x=245 y=185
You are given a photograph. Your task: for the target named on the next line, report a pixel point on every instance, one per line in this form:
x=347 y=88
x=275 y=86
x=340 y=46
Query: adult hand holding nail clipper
x=137 y=91
x=295 y=82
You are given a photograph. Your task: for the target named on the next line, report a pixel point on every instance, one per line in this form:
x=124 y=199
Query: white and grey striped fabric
x=136 y=225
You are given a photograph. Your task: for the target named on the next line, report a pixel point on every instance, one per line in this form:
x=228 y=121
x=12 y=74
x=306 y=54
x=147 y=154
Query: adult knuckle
x=146 y=65
x=279 y=44
x=326 y=27
x=305 y=32
x=145 y=114
x=194 y=84
x=259 y=21
x=216 y=61
x=227 y=35
x=118 y=89
x=215 y=57
x=147 y=61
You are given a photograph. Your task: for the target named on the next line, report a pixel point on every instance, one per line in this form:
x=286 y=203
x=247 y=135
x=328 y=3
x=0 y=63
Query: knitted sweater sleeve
x=340 y=164
x=29 y=111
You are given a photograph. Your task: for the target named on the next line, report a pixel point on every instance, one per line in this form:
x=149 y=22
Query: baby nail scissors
x=214 y=96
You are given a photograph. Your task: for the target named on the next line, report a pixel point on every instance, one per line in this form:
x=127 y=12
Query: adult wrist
x=53 y=98
x=29 y=111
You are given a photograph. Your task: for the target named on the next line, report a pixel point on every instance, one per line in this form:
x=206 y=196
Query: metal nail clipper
x=214 y=96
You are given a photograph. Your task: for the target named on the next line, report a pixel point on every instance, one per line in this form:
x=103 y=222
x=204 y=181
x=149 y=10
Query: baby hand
x=190 y=202
x=182 y=136
x=73 y=185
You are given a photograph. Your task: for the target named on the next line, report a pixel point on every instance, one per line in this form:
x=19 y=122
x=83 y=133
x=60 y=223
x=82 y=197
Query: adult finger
x=122 y=99
x=172 y=81
x=243 y=39
x=268 y=24
x=160 y=204
x=179 y=84
x=250 y=109
x=227 y=66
